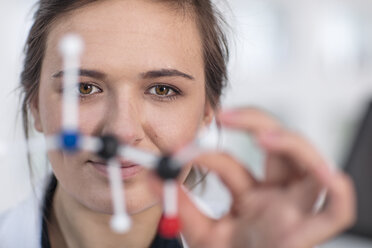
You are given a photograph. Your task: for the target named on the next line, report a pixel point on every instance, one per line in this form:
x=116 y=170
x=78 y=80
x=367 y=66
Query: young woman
x=151 y=74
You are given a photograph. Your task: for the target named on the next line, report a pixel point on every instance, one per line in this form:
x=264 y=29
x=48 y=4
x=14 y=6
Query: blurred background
x=308 y=62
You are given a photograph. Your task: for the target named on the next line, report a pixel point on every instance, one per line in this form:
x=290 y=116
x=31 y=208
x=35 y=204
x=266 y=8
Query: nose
x=123 y=119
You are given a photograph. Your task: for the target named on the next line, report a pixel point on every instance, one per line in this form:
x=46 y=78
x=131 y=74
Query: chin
x=139 y=209
x=138 y=199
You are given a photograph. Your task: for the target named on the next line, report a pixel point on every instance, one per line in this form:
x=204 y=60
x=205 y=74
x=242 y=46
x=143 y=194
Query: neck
x=73 y=225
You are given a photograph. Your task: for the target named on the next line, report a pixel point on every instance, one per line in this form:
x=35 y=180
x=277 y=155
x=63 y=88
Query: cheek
x=174 y=125
x=49 y=111
x=90 y=115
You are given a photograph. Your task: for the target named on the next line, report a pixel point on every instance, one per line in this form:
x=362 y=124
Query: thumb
x=195 y=225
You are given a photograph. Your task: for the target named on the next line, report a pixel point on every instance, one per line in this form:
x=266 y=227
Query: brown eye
x=88 y=89
x=85 y=89
x=162 y=90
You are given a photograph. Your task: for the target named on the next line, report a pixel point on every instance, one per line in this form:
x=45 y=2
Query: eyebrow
x=84 y=72
x=146 y=75
x=166 y=73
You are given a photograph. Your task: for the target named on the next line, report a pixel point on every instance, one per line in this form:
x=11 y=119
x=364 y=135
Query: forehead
x=134 y=32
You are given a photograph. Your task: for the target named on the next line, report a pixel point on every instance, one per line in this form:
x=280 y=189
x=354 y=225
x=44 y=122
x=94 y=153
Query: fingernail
x=332 y=167
x=324 y=176
x=329 y=170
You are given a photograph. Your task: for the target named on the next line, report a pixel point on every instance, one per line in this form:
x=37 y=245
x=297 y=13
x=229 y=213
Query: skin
x=279 y=210
x=125 y=40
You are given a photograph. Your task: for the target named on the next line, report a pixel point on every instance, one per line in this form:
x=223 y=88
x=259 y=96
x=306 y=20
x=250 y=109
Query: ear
x=209 y=113
x=34 y=106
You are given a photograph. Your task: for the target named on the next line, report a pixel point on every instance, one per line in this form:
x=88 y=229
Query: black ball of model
x=168 y=168
x=109 y=147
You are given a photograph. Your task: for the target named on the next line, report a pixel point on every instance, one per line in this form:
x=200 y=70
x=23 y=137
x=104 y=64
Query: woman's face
x=143 y=80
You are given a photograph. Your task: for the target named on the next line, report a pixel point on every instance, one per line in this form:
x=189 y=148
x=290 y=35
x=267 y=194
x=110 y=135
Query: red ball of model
x=169 y=227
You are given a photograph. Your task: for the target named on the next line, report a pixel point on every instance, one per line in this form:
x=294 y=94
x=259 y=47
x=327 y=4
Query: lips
x=126 y=164
x=128 y=169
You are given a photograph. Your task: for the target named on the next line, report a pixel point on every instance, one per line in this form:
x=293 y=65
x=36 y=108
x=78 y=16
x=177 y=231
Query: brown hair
x=208 y=19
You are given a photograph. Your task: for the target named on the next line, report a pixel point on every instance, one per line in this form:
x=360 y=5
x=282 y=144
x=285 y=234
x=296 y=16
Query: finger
x=279 y=171
x=302 y=191
x=305 y=194
x=236 y=178
x=268 y=130
x=338 y=214
x=296 y=165
x=299 y=188
x=289 y=145
x=197 y=227
x=248 y=119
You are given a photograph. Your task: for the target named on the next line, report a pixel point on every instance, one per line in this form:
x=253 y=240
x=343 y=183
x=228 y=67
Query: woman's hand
x=279 y=211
